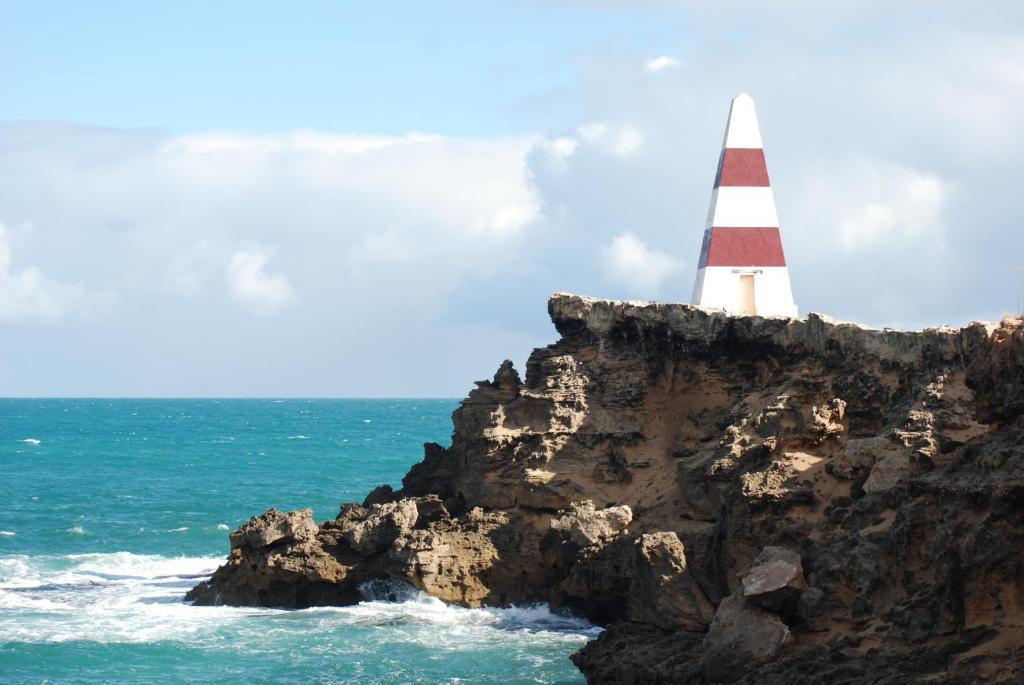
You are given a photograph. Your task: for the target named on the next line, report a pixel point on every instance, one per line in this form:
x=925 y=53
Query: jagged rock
x=373 y=529
x=382 y=494
x=775 y=581
x=275 y=526
x=586 y=526
x=429 y=509
x=858 y=455
x=662 y=593
x=433 y=475
x=276 y=560
x=740 y=639
x=893 y=461
x=628 y=653
x=596 y=582
x=993 y=356
x=827 y=420
x=891 y=467
x=449 y=561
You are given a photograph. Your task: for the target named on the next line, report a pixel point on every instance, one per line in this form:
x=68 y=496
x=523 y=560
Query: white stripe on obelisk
x=742 y=206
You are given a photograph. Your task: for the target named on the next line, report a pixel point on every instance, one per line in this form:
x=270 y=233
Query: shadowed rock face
x=739 y=499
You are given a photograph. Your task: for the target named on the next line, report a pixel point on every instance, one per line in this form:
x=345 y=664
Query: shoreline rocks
x=737 y=499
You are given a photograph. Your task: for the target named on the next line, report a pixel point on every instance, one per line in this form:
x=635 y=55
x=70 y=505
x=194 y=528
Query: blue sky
x=458 y=68
x=376 y=199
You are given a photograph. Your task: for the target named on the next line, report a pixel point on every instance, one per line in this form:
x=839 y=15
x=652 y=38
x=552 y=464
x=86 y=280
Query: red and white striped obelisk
x=742 y=269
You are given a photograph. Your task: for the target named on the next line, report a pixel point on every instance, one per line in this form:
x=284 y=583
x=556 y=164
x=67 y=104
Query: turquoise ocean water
x=113 y=509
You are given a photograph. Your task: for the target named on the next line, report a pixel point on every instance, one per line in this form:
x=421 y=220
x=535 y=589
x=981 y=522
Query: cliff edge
x=738 y=499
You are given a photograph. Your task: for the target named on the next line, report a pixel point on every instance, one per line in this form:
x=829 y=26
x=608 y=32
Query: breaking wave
x=138 y=598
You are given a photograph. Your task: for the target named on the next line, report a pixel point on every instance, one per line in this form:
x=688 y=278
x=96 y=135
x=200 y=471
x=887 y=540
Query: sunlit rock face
x=736 y=498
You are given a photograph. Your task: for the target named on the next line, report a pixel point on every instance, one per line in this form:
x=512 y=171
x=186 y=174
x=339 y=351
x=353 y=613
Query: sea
x=113 y=508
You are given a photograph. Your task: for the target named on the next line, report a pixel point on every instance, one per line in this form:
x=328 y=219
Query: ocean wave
x=7 y=533
x=298 y=437
x=125 y=564
x=116 y=597
x=75 y=530
x=223 y=526
x=390 y=601
x=182 y=529
x=31 y=441
x=136 y=598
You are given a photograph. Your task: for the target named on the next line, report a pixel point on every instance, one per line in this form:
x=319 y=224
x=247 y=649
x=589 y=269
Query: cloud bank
x=251 y=284
x=317 y=263
x=27 y=295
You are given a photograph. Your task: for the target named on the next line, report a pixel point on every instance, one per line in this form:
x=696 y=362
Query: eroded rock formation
x=738 y=499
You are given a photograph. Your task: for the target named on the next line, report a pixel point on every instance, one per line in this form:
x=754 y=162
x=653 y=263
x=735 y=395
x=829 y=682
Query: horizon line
x=225 y=397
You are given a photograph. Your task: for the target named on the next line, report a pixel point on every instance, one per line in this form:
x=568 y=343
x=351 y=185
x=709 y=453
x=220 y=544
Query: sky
x=375 y=199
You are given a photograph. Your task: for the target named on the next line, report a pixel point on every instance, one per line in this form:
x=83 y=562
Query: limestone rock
x=275 y=526
x=586 y=526
x=450 y=561
x=373 y=529
x=382 y=494
x=858 y=455
x=630 y=653
x=893 y=461
x=827 y=420
x=277 y=560
x=892 y=466
x=662 y=592
x=775 y=582
x=740 y=639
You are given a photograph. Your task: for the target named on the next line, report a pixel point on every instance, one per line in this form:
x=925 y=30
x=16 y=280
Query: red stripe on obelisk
x=742 y=166
x=742 y=247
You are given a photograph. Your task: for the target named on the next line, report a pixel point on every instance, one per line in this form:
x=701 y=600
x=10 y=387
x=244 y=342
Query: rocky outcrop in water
x=738 y=499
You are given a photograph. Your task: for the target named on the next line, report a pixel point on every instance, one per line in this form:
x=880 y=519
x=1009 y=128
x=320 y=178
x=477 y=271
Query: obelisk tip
x=743 y=130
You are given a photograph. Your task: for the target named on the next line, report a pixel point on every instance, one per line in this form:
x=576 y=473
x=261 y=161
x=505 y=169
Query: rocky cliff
x=737 y=499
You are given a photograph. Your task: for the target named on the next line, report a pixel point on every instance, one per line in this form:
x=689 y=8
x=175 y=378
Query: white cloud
x=28 y=295
x=188 y=273
x=661 y=63
x=129 y=205
x=867 y=205
x=892 y=169
x=620 y=140
x=251 y=284
x=634 y=265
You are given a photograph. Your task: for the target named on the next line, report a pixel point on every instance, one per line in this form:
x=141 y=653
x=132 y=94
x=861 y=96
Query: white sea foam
x=223 y=526
x=116 y=597
x=136 y=598
x=183 y=529
x=31 y=441
x=76 y=530
x=298 y=437
x=7 y=533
